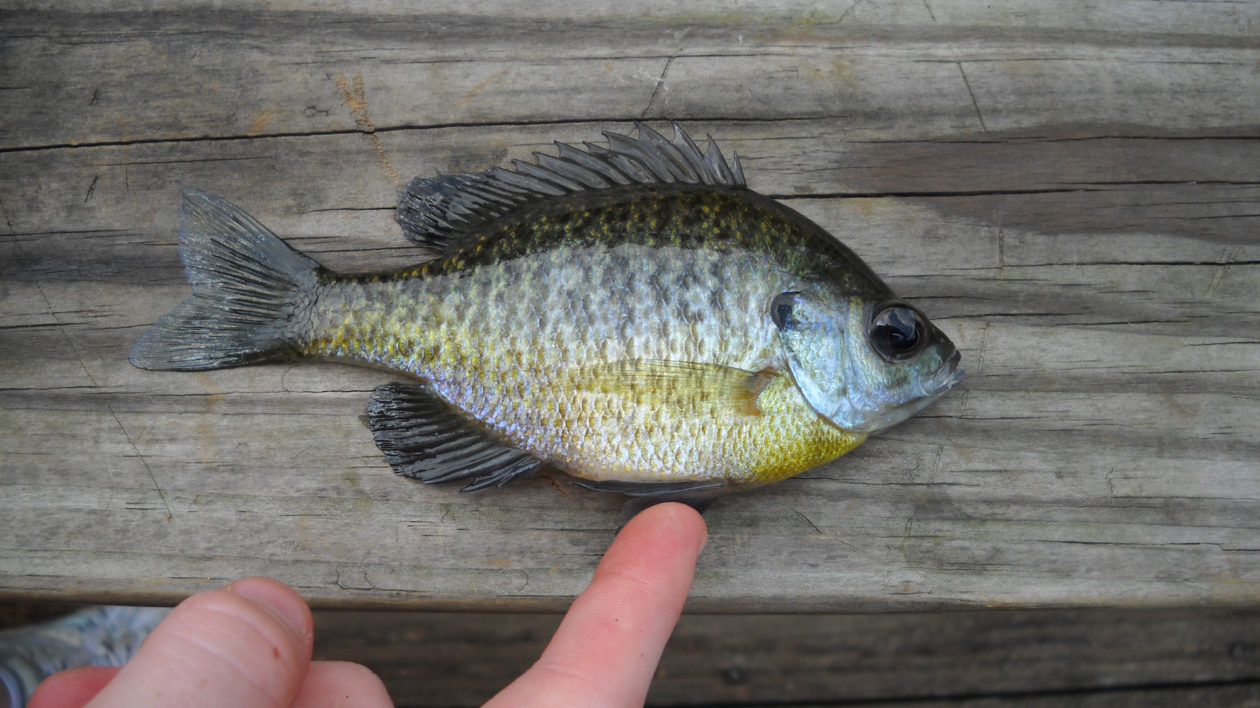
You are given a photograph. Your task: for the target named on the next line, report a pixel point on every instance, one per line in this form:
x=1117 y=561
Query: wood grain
x=1071 y=193
x=996 y=659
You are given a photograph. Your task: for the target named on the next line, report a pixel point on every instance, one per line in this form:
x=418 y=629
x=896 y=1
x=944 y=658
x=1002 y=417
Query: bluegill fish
x=632 y=315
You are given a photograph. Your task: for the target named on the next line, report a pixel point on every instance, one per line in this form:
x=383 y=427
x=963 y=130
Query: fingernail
x=279 y=599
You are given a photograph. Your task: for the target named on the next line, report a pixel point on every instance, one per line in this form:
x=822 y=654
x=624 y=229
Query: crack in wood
x=808 y=522
x=931 y=15
x=660 y=84
x=91 y=188
x=604 y=120
x=974 y=103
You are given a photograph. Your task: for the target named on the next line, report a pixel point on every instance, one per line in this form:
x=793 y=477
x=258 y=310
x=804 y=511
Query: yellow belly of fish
x=609 y=436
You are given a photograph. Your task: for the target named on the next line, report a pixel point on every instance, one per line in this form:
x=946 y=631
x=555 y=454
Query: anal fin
x=425 y=438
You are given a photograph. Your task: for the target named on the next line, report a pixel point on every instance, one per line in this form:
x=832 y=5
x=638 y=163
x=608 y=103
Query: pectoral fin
x=425 y=438
x=680 y=387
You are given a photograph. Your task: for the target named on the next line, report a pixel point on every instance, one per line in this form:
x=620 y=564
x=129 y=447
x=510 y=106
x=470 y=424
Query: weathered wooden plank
x=237 y=414
x=1206 y=20
x=1075 y=204
x=1230 y=696
x=989 y=658
x=1142 y=16
x=1013 y=658
x=202 y=74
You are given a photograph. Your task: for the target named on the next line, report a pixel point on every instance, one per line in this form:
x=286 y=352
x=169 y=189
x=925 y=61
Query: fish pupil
x=896 y=333
x=781 y=309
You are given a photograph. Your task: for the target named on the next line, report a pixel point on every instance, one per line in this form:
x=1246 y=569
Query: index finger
x=608 y=645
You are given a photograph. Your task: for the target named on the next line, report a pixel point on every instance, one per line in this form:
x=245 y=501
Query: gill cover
x=813 y=338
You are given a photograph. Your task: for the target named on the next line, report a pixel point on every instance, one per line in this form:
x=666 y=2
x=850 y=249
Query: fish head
x=863 y=363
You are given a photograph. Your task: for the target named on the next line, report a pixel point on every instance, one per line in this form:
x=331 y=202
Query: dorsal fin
x=436 y=211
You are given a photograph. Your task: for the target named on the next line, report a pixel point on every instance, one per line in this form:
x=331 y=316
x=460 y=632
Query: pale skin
x=249 y=644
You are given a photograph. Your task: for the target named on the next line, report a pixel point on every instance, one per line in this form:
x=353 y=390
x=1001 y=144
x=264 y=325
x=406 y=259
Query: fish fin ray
x=438 y=212
x=246 y=285
x=426 y=438
x=678 y=386
x=657 y=490
x=698 y=494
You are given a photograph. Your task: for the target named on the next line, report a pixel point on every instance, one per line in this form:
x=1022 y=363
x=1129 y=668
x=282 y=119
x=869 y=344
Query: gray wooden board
x=1033 y=657
x=1243 y=696
x=1073 y=197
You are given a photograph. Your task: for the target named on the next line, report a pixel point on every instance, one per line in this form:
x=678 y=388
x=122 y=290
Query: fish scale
x=637 y=295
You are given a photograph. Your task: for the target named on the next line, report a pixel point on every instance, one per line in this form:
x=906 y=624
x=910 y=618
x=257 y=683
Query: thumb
x=248 y=644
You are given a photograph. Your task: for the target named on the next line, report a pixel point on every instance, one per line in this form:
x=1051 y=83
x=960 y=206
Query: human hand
x=249 y=644
x=607 y=646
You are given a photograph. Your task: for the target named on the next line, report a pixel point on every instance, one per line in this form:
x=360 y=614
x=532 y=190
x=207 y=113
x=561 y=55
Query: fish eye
x=782 y=309
x=897 y=333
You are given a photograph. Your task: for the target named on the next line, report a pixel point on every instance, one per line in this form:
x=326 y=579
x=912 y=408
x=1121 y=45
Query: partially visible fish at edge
x=632 y=315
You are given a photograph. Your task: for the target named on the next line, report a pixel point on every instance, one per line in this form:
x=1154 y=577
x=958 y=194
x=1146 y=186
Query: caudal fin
x=246 y=285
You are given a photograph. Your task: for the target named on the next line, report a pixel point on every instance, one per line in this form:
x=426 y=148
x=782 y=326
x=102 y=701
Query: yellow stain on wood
x=204 y=426
x=843 y=74
x=260 y=124
x=304 y=538
x=356 y=98
x=463 y=102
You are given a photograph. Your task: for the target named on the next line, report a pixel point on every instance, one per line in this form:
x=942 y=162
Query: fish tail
x=247 y=286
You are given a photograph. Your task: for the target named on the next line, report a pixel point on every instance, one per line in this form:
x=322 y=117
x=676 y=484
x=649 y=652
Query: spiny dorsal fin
x=435 y=212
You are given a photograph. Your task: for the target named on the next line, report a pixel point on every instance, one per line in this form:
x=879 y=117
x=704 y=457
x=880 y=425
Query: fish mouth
x=948 y=376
